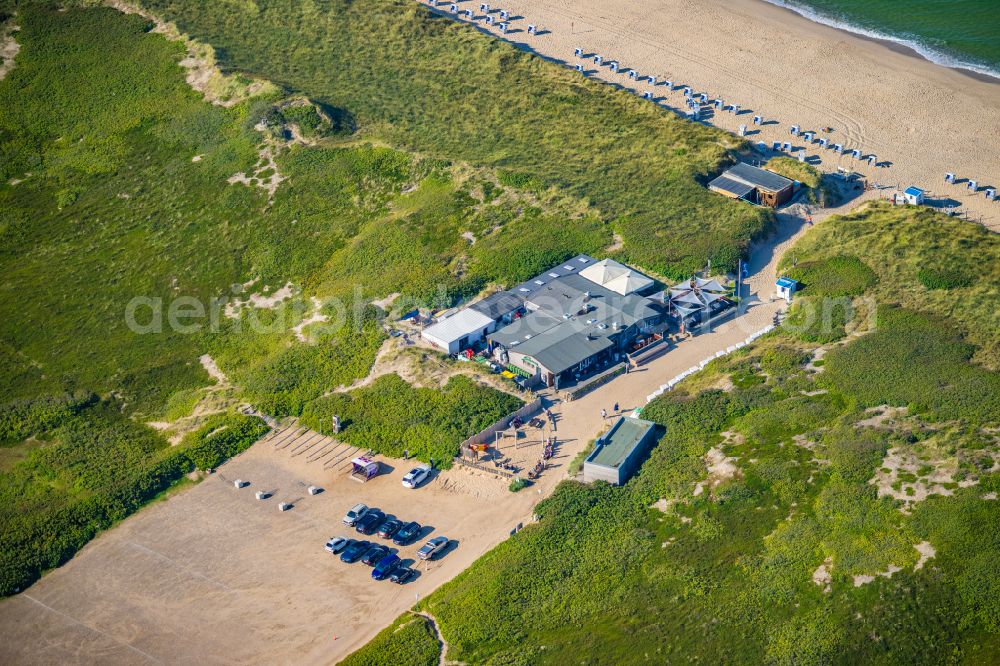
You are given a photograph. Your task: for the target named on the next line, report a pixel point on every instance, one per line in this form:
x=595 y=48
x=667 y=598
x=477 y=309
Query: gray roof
x=613 y=448
x=571 y=266
x=570 y=351
x=498 y=305
x=734 y=187
x=566 y=326
x=757 y=177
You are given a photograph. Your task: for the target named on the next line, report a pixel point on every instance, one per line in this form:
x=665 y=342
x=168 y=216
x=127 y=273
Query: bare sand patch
x=259 y=300
x=897 y=461
x=265 y=174
x=8 y=47
x=881 y=415
x=315 y=317
x=385 y=303
x=822 y=576
x=720 y=468
x=212 y=369
x=926 y=551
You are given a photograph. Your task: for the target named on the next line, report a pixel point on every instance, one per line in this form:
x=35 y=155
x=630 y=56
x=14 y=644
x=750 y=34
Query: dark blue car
x=354 y=551
x=385 y=567
x=407 y=533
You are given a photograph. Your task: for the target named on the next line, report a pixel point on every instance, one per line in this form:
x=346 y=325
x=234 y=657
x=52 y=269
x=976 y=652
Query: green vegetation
x=808 y=175
x=221 y=437
x=487 y=103
x=897 y=243
x=91 y=471
x=114 y=186
x=760 y=565
x=409 y=641
x=391 y=416
x=518 y=484
x=953 y=277
x=576 y=465
x=917 y=360
x=839 y=275
x=726 y=576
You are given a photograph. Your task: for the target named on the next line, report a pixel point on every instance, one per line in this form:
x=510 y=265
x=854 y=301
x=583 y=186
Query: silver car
x=356 y=513
x=432 y=548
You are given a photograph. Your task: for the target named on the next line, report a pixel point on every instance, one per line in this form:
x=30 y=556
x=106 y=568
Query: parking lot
x=214 y=575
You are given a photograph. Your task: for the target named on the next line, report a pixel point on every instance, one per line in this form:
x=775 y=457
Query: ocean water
x=953 y=33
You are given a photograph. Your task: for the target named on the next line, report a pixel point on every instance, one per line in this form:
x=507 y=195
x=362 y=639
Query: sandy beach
x=921 y=118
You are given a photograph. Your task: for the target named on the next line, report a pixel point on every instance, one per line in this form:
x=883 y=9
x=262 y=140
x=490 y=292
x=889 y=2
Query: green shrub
x=781 y=361
x=819 y=320
x=944 y=278
x=221 y=437
x=518 y=484
x=24 y=418
x=391 y=417
x=842 y=275
x=409 y=641
x=913 y=358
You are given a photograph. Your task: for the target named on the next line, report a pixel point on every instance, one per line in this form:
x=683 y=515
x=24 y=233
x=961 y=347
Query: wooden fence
x=487 y=436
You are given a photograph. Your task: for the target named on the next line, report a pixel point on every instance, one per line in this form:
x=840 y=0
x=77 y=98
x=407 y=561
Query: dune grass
x=431 y=84
x=123 y=193
x=897 y=243
x=725 y=573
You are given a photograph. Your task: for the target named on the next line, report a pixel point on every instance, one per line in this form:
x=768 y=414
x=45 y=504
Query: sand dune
x=922 y=118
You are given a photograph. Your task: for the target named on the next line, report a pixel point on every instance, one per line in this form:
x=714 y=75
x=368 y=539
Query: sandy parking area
x=214 y=575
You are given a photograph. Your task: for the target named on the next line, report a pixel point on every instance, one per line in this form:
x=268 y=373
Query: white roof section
x=457 y=326
x=696 y=294
x=616 y=277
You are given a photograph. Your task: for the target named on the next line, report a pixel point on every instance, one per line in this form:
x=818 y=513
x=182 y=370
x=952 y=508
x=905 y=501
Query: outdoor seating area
x=523 y=449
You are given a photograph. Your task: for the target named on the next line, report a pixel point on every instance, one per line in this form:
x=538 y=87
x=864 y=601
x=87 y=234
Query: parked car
x=416 y=476
x=432 y=548
x=389 y=528
x=337 y=544
x=385 y=567
x=370 y=522
x=356 y=513
x=402 y=574
x=374 y=554
x=354 y=551
x=407 y=533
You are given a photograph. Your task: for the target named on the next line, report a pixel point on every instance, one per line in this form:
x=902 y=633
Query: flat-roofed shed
x=765 y=187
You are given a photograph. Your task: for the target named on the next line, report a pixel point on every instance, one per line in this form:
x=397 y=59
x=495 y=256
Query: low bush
x=221 y=437
x=391 y=417
x=915 y=359
x=24 y=418
x=818 y=320
x=944 y=278
x=842 y=275
x=409 y=641
x=518 y=485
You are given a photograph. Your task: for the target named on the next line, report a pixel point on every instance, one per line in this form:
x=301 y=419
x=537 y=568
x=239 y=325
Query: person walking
x=616 y=408
x=604 y=413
